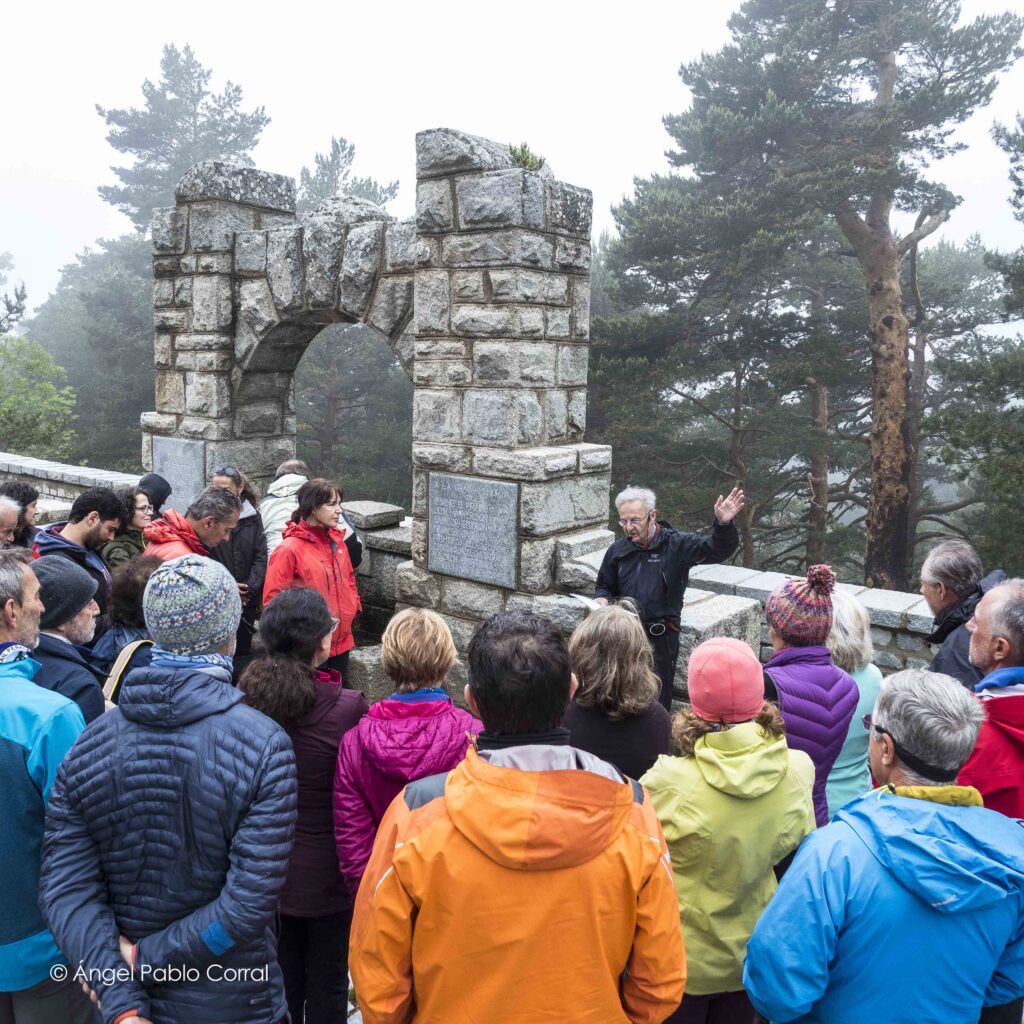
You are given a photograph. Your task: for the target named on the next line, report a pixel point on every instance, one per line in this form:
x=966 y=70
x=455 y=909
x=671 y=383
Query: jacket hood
x=408 y=741
x=156 y=488
x=51 y=539
x=538 y=808
x=247 y=510
x=742 y=761
x=23 y=668
x=286 y=486
x=954 y=859
x=166 y=698
x=956 y=616
x=174 y=527
x=315 y=535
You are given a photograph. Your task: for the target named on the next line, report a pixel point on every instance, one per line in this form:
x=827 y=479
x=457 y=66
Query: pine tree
x=821 y=109
x=182 y=123
x=331 y=175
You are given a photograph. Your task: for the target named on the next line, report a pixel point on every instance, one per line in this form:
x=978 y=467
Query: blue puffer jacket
x=903 y=910
x=171 y=823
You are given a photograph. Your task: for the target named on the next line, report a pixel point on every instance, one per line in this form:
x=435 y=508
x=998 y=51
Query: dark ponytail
x=282 y=682
x=314 y=493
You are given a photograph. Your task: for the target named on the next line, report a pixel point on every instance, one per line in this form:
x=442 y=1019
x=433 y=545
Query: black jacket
x=951 y=631
x=656 y=577
x=244 y=555
x=66 y=672
x=632 y=743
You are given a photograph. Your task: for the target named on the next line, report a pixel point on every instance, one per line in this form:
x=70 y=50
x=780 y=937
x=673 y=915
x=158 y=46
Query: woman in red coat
x=313 y=554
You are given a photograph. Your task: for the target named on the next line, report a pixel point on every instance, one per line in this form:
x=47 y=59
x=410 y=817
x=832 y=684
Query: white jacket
x=277 y=507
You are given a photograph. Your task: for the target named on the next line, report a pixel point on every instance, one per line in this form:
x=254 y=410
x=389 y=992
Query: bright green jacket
x=730 y=812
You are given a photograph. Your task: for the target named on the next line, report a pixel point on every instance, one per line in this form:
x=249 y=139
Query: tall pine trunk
x=817 y=517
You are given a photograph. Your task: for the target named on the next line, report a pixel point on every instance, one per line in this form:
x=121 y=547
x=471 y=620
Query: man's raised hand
x=726 y=509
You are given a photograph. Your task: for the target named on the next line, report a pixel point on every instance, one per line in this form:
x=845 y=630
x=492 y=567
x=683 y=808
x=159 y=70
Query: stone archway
x=241 y=287
x=484 y=297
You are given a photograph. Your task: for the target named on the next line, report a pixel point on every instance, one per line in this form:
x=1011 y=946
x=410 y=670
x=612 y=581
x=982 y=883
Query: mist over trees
x=806 y=135
x=772 y=311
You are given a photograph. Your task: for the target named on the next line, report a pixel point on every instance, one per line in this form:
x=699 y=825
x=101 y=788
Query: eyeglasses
x=634 y=521
x=143 y=508
x=228 y=471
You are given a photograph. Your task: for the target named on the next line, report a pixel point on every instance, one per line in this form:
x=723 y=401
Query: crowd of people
x=205 y=823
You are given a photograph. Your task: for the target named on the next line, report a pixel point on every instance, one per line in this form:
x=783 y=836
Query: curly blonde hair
x=687 y=727
x=613 y=663
x=417 y=650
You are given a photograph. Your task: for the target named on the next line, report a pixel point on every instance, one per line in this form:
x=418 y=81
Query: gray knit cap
x=192 y=605
x=65 y=588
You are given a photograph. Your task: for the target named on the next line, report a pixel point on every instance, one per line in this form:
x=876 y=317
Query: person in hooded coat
x=529 y=883
x=157 y=489
x=734 y=806
x=313 y=554
x=909 y=907
x=415 y=732
x=170 y=826
x=287 y=685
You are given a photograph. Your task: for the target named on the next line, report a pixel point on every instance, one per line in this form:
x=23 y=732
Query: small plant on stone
x=523 y=156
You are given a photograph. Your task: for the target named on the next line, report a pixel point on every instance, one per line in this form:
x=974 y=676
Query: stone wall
x=58 y=483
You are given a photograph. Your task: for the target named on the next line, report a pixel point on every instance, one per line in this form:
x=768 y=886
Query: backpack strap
x=112 y=687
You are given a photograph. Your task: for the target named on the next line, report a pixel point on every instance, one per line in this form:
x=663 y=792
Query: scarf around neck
x=219 y=665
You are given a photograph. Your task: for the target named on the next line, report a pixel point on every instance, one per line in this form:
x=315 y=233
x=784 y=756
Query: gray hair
x=12 y=576
x=931 y=716
x=849 y=640
x=9 y=505
x=1007 y=615
x=632 y=493
x=214 y=501
x=954 y=564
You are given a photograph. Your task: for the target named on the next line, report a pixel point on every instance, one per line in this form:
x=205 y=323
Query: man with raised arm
x=651 y=564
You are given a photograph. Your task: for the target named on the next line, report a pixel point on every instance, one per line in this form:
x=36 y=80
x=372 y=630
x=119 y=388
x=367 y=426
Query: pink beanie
x=725 y=680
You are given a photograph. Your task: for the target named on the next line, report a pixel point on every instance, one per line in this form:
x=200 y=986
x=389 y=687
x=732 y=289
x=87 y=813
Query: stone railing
x=58 y=483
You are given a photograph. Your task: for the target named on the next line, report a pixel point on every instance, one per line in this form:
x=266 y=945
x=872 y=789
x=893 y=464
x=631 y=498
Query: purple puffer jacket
x=817 y=701
x=402 y=739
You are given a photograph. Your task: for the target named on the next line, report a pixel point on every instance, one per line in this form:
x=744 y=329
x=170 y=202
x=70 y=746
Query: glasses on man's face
x=634 y=521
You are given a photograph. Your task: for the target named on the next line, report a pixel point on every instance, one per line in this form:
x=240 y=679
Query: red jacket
x=172 y=537
x=317 y=558
x=996 y=767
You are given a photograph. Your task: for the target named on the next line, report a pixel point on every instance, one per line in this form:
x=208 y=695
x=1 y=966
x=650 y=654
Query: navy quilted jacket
x=171 y=823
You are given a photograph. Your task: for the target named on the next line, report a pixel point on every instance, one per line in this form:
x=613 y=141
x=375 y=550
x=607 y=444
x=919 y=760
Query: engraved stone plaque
x=472 y=529
x=182 y=463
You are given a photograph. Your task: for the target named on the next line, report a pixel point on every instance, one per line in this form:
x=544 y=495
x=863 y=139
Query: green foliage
x=36 y=406
x=182 y=123
x=1012 y=266
x=331 y=175
x=816 y=118
x=354 y=409
x=98 y=324
x=523 y=156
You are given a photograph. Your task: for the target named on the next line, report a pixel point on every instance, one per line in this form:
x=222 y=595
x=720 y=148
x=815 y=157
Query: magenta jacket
x=406 y=737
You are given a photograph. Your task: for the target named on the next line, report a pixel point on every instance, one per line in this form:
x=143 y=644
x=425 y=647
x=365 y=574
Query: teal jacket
x=907 y=909
x=37 y=728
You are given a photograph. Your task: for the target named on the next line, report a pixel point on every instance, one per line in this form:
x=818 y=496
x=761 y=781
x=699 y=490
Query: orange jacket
x=317 y=558
x=172 y=537
x=526 y=885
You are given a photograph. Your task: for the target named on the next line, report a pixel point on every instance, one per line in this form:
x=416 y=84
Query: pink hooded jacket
x=399 y=741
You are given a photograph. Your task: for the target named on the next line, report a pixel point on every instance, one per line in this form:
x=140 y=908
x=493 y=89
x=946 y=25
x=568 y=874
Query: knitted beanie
x=65 y=588
x=192 y=605
x=800 y=611
x=725 y=681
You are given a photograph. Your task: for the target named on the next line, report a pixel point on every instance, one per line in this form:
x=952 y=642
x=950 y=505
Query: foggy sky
x=585 y=85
